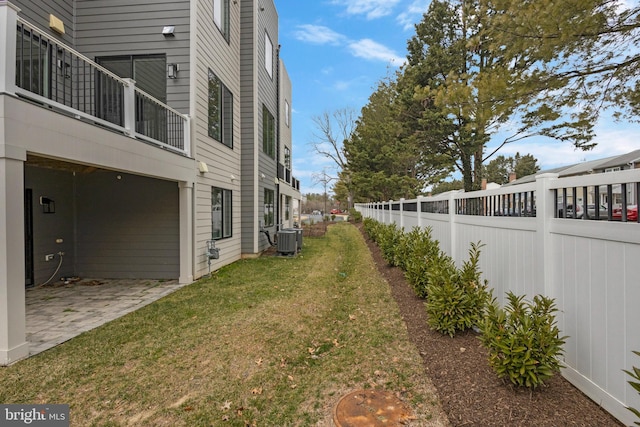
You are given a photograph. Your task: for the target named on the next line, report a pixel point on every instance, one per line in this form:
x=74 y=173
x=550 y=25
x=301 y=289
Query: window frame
x=268 y=132
x=220 y=98
x=221 y=17
x=286 y=113
x=269 y=208
x=224 y=214
x=268 y=54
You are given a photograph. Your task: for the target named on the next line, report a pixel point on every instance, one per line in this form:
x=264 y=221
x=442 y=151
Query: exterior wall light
x=172 y=71
x=169 y=31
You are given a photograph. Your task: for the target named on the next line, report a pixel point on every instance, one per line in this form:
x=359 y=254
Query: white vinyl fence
x=534 y=243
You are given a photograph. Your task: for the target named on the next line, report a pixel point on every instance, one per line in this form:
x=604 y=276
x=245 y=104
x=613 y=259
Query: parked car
x=632 y=213
x=569 y=213
x=335 y=211
x=603 y=212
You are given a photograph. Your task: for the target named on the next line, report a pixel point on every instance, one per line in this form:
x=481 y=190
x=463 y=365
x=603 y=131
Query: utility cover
x=371 y=408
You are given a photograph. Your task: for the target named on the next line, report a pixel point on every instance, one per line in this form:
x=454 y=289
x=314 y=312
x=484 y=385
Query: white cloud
x=371 y=50
x=413 y=14
x=373 y=9
x=318 y=34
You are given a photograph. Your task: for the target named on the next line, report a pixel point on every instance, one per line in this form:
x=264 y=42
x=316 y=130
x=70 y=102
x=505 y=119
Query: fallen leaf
x=352 y=317
x=462 y=349
x=226 y=405
x=225 y=418
x=259 y=361
x=257 y=390
x=290 y=378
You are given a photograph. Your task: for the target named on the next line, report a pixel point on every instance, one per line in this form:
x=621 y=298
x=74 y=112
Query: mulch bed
x=469 y=390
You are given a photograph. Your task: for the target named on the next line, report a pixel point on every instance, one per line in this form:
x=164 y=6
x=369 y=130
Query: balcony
x=43 y=70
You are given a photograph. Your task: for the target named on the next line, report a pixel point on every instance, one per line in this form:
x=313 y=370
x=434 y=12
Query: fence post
x=390 y=211
x=8 y=23
x=545 y=205
x=401 y=213
x=452 y=225
x=419 y=211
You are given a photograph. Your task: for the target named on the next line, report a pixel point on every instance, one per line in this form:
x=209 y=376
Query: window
x=220 y=111
x=221 y=16
x=268 y=133
x=150 y=75
x=287 y=158
x=149 y=72
x=268 y=208
x=221 y=218
x=286 y=113
x=287 y=207
x=268 y=55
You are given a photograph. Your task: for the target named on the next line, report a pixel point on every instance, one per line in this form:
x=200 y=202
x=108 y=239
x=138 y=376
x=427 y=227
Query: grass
x=268 y=342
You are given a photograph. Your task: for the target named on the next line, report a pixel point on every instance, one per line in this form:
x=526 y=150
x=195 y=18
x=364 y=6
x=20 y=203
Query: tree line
x=483 y=69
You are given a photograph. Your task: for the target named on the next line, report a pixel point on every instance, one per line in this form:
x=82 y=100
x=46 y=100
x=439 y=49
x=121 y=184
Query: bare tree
x=331 y=132
x=324 y=179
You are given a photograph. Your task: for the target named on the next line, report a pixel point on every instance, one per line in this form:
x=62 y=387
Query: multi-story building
x=131 y=135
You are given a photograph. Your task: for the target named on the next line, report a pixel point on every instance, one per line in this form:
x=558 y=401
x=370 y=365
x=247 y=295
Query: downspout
x=277 y=180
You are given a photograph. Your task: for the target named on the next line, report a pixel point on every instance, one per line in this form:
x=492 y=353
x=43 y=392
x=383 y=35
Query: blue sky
x=336 y=52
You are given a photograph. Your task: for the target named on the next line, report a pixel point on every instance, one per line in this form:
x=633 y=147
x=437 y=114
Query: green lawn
x=268 y=342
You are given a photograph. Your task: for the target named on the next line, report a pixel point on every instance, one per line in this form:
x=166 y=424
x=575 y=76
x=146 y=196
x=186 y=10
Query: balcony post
x=187 y=135
x=8 y=25
x=130 y=107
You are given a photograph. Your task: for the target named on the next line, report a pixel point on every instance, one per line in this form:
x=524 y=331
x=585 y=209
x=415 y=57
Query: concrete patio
x=63 y=310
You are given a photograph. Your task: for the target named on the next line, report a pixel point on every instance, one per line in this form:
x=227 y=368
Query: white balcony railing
x=38 y=67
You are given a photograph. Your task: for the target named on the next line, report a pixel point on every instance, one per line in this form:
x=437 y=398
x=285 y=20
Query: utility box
x=287 y=242
x=298 y=236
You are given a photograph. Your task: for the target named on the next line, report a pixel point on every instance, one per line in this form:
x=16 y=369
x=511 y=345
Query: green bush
x=388 y=239
x=456 y=298
x=419 y=256
x=523 y=340
x=355 y=215
x=636 y=386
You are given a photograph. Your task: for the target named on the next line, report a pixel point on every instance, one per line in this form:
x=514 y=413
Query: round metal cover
x=371 y=408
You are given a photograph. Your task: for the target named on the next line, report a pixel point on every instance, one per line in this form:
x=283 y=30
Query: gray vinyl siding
x=37 y=12
x=48 y=227
x=213 y=52
x=124 y=27
x=249 y=117
x=258 y=89
x=128 y=227
x=109 y=227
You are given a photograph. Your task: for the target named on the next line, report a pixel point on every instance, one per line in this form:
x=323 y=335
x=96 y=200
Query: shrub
x=456 y=298
x=423 y=252
x=523 y=340
x=388 y=239
x=636 y=386
x=355 y=215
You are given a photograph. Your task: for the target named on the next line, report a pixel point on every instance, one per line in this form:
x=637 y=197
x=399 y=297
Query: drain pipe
x=266 y=233
x=61 y=254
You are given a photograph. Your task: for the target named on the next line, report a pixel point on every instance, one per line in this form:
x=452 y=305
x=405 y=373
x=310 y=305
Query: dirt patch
x=470 y=392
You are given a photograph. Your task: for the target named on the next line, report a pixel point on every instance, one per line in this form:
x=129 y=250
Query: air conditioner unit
x=298 y=232
x=287 y=242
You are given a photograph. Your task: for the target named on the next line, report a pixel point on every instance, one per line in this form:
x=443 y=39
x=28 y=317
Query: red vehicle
x=632 y=213
x=335 y=211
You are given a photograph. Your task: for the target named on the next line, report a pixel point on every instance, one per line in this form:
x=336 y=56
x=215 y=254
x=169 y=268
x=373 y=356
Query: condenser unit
x=298 y=232
x=287 y=242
